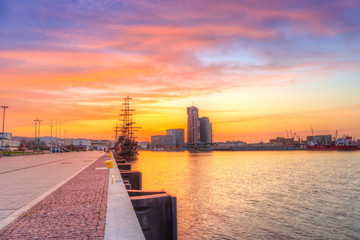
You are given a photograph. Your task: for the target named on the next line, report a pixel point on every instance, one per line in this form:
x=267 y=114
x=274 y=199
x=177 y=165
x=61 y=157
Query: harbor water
x=259 y=195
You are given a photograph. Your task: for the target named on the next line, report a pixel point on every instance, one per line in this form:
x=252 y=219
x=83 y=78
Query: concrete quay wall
x=121 y=220
x=156 y=211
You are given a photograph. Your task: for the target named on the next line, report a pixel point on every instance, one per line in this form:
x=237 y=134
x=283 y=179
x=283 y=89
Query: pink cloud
x=153 y=53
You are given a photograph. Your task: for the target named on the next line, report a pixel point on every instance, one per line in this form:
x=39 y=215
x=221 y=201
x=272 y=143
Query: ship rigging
x=126 y=147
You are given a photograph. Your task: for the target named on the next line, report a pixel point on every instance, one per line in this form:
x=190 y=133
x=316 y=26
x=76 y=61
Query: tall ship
x=126 y=147
x=341 y=144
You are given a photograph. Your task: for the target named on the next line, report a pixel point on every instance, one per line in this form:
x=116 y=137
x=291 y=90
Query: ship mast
x=127 y=125
x=117 y=129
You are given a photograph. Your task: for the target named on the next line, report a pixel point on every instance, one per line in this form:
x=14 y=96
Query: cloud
x=314 y=114
x=57 y=57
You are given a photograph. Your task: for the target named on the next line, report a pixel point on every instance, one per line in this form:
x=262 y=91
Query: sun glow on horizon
x=255 y=69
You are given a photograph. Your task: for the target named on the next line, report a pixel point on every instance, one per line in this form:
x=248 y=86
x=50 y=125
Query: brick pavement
x=74 y=211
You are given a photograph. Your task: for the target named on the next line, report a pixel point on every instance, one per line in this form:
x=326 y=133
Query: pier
x=68 y=195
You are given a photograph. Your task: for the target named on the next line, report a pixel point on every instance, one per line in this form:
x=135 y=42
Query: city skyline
x=254 y=68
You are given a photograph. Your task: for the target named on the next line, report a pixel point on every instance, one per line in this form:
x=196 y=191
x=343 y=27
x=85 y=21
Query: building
x=80 y=142
x=100 y=144
x=7 y=135
x=205 y=130
x=319 y=139
x=179 y=139
x=282 y=141
x=162 y=141
x=144 y=145
x=9 y=143
x=47 y=140
x=193 y=126
x=229 y=144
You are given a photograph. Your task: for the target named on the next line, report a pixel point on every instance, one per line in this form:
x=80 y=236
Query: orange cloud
x=74 y=64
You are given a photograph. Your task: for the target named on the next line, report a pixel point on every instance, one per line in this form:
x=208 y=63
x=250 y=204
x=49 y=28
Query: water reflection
x=252 y=195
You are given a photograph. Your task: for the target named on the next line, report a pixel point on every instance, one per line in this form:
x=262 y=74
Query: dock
x=64 y=195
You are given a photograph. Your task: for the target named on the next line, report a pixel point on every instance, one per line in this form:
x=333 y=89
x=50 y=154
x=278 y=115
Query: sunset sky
x=256 y=68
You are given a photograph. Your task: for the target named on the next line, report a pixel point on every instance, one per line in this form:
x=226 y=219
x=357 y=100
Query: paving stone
x=74 y=211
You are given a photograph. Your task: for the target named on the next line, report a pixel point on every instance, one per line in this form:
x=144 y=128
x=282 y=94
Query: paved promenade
x=65 y=196
x=26 y=180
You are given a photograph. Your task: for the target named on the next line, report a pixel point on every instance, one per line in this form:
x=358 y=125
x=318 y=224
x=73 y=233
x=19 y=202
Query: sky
x=255 y=68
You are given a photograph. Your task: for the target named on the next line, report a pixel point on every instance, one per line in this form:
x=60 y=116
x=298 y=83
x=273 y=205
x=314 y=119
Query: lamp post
x=60 y=137
x=65 y=140
x=3 y=130
x=56 y=131
x=36 y=120
x=51 y=144
x=39 y=132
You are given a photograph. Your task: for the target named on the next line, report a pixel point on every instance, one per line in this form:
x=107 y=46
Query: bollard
x=110 y=163
x=111 y=155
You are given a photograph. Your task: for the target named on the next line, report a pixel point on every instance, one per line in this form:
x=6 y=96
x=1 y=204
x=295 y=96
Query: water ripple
x=259 y=195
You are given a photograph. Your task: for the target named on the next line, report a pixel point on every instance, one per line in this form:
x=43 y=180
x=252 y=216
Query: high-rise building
x=193 y=129
x=205 y=130
x=178 y=136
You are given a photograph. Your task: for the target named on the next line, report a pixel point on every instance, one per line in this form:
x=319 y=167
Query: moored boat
x=341 y=144
x=126 y=147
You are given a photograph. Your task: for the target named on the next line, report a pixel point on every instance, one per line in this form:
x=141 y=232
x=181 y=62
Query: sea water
x=259 y=195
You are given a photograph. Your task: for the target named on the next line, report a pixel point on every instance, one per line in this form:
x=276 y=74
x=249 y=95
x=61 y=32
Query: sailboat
x=126 y=147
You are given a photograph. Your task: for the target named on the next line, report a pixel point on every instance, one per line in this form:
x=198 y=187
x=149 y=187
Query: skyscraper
x=178 y=136
x=205 y=130
x=193 y=131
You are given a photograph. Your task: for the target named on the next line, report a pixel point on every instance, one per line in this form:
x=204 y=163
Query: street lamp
x=39 y=133
x=51 y=144
x=2 y=137
x=35 y=120
x=56 y=131
x=65 y=140
x=59 y=138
